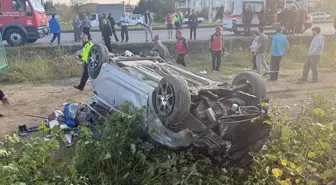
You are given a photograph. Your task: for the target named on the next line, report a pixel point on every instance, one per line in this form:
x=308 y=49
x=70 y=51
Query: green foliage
x=299 y=151
x=35 y=161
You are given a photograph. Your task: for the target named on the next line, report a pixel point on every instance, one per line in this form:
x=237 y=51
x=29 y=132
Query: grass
x=45 y=68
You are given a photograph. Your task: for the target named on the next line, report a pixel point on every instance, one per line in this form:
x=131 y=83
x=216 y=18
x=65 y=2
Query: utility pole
x=210 y=10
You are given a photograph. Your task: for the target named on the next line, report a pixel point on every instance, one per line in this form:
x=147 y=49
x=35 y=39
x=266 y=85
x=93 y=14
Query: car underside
x=185 y=109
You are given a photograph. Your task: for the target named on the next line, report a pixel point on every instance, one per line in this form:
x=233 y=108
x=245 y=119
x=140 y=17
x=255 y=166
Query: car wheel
x=98 y=55
x=250 y=82
x=172 y=101
x=31 y=40
x=16 y=37
x=236 y=32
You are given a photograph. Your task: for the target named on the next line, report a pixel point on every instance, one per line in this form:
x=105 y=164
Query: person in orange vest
x=216 y=45
x=181 y=48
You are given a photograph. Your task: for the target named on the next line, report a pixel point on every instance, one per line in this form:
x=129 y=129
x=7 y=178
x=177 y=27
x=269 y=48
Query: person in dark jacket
x=55 y=29
x=301 y=18
x=113 y=23
x=247 y=20
x=148 y=25
x=106 y=32
x=291 y=20
x=4 y=100
x=262 y=17
x=193 y=23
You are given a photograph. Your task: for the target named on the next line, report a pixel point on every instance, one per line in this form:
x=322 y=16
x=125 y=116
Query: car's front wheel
x=98 y=55
x=171 y=101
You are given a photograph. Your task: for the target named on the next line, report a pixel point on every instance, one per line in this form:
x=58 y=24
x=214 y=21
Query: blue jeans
x=85 y=76
x=58 y=35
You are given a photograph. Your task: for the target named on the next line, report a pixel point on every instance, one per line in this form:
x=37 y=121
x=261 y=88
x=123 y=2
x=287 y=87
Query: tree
x=49 y=7
x=159 y=7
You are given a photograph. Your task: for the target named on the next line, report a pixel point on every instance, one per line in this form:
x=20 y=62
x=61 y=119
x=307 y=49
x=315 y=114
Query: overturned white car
x=184 y=109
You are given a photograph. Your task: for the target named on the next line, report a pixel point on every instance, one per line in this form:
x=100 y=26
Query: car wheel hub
x=93 y=58
x=15 y=38
x=165 y=99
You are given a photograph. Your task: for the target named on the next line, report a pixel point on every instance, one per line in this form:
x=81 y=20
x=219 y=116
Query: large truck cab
x=233 y=11
x=22 y=21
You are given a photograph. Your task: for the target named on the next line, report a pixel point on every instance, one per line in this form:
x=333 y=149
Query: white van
x=233 y=11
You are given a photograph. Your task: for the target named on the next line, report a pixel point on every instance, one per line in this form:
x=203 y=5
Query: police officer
x=4 y=100
x=84 y=57
x=216 y=46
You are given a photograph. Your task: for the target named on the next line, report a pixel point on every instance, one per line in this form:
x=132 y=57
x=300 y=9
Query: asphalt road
x=139 y=36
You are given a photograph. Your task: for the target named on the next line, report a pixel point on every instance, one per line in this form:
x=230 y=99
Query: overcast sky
x=104 y=1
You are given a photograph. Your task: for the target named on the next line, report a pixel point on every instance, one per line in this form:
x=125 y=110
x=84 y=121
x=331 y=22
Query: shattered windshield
x=37 y=6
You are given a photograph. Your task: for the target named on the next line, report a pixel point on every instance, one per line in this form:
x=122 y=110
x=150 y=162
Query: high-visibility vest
x=86 y=50
x=176 y=18
x=216 y=42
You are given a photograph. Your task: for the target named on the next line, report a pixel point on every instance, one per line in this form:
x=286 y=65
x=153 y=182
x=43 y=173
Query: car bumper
x=37 y=32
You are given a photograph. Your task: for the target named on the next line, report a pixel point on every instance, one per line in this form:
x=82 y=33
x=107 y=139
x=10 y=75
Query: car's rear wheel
x=172 y=101
x=98 y=55
x=250 y=82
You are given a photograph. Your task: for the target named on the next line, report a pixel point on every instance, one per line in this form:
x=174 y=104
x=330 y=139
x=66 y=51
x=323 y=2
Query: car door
x=115 y=86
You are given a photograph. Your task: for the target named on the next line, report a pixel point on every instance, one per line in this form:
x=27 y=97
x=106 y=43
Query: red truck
x=22 y=21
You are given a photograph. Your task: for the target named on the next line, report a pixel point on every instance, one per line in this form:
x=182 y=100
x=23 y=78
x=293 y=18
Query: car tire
x=31 y=41
x=98 y=55
x=172 y=101
x=236 y=32
x=16 y=37
x=256 y=83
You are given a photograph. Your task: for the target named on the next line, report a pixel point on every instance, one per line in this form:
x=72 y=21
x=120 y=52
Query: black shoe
x=314 y=80
x=79 y=87
x=122 y=41
x=1 y=115
x=146 y=41
x=126 y=41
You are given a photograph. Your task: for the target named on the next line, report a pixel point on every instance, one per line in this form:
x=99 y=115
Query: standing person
x=55 y=29
x=262 y=18
x=193 y=23
x=247 y=20
x=76 y=23
x=314 y=55
x=4 y=100
x=286 y=17
x=279 y=48
x=84 y=57
x=170 y=23
x=181 y=48
x=178 y=20
x=301 y=18
x=148 y=25
x=254 y=49
x=124 y=21
x=106 y=32
x=112 y=24
x=86 y=26
x=261 y=51
x=216 y=45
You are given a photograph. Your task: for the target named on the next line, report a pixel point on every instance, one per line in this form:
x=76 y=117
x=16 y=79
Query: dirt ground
x=43 y=99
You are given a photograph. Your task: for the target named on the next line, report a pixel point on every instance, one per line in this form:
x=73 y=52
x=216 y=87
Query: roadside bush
x=301 y=150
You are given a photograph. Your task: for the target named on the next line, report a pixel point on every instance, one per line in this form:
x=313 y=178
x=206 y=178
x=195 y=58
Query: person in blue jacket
x=55 y=29
x=4 y=100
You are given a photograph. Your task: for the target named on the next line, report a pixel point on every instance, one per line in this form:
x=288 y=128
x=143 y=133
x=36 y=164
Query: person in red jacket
x=4 y=100
x=181 y=48
x=216 y=46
